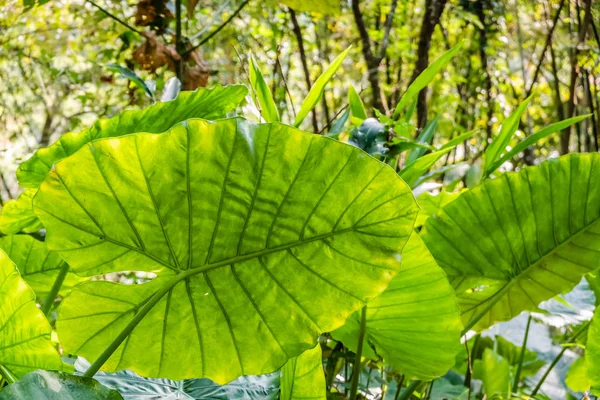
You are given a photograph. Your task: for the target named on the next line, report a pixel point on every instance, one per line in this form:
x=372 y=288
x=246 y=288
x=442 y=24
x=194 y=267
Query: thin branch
x=546 y=45
x=125 y=24
x=214 y=32
x=388 y=28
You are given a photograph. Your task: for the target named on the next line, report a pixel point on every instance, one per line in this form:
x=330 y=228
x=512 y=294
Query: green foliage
x=18 y=216
x=431 y=205
x=51 y=385
x=356 y=106
x=494 y=372
x=302 y=377
x=212 y=103
x=318 y=6
x=25 y=332
x=423 y=80
x=249 y=283
x=38 y=266
x=262 y=94
x=317 y=89
x=415 y=324
x=517 y=240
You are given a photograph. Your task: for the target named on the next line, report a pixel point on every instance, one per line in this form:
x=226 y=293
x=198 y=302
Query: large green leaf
x=211 y=103
x=592 y=353
x=494 y=372
x=25 y=343
x=18 y=216
x=432 y=204
x=135 y=387
x=262 y=237
x=37 y=265
x=50 y=385
x=415 y=324
x=303 y=378
x=515 y=241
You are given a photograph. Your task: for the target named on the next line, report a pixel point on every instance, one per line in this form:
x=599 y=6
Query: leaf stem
x=409 y=390
x=356 y=367
x=8 y=376
x=558 y=357
x=521 y=357
x=58 y=282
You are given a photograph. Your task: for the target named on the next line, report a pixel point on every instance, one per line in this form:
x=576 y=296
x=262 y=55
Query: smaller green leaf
x=549 y=130
x=18 y=216
x=133 y=77
x=338 y=125
x=494 y=371
x=316 y=91
x=51 y=385
x=261 y=93
x=413 y=171
x=424 y=79
x=369 y=136
x=507 y=130
x=458 y=140
x=302 y=377
x=409 y=112
x=356 y=105
x=425 y=137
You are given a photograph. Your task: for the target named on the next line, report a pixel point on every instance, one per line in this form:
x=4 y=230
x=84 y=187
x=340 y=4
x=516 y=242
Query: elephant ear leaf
x=520 y=239
x=52 y=385
x=18 y=216
x=213 y=103
x=38 y=266
x=25 y=344
x=302 y=377
x=415 y=323
x=254 y=234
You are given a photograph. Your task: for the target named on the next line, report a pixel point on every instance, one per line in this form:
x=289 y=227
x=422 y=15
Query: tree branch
x=125 y=24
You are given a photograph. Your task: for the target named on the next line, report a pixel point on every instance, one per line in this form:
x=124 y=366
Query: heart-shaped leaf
x=415 y=324
x=302 y=377
x=210 y=103
x=262 y=238
x=37 y=265
x=515 y=241
x=51 y=385
x=25 y=343
x=18 y=216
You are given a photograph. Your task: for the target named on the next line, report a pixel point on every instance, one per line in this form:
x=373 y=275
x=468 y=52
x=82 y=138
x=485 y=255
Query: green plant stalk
x=409 y=390
x=356 y=369
x=558 y=357
x=60 y=278
x=7 y=375
x=521 y=357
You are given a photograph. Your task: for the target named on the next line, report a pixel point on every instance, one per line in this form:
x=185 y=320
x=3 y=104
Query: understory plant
x=182 y=249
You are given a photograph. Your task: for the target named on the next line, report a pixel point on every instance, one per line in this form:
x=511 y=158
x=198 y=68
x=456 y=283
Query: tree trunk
x=431 y=17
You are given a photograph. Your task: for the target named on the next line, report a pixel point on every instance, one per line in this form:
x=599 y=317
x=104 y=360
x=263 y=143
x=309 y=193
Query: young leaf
x=412 y=172
x=18 y=216
x=25 y=334
x=338 y=125
x=171 y=89
x=38 y=266
x=550 y=129
x=458 y=140
x=426 y=137
x=259 y=243
x=424 y=79
x=52 y=385
x=507 y=130
x=302 y=377
x=356 y=105
x=520 y=239
x=316 y=91
x=211 y=103
x=133 y=77
x=415 y=324
x=262 y=94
